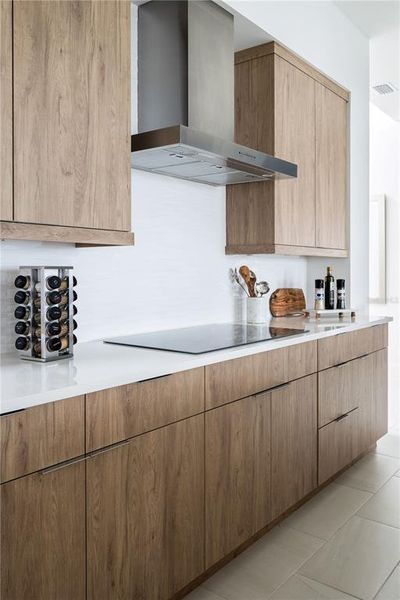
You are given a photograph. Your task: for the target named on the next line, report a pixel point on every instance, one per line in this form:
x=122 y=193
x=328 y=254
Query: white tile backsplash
x=177 y=273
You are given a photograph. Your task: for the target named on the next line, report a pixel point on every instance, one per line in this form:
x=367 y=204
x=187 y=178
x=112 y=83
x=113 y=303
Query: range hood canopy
x=186 y=98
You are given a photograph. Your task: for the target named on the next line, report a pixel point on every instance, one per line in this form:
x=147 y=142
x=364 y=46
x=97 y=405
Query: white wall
x=177 y=274
x=385 y=179
x=321 y=34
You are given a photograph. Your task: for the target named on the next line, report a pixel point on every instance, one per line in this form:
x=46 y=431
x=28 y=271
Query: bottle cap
x=341 y=284
x=54 y=297
x=54 y=344
x=53 y=282
x=319 y=283
x=53 y=328
x=20 y=312
x=20 y=281
x=53 y=313
x=21 y=343
x=20 y=297
x=20 y=327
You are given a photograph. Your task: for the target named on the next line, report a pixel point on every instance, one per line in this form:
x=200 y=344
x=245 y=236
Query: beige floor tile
x=324 y=514
x=202 y=594
x=391 y=588
x=260 y=570
x=358 y=559
x=384 y=506
x=370 y=473
x=299 y=587
x=389 y=444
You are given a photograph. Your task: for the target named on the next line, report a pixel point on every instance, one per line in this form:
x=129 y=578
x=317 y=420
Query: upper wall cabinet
x=71 y=115
x=287 y=108
x=6 y=201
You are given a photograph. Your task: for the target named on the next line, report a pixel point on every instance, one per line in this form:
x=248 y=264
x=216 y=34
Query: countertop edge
x=173 y=363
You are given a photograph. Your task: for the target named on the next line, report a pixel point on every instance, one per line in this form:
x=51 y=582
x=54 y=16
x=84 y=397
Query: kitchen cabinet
x=41 y=436
x=287 y=108
x=331 y=167
x=238 y=500
x=145 y=514
x=373 y=401
x=249 y=375
x=43 y=535
x=293 y=443
x=6 y=200
x=337 y=445
x=342 y=347
x=122 y=412
x=71 y=122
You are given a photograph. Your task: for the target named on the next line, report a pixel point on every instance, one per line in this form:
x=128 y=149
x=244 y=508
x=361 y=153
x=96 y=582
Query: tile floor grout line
x=329 y=586
x=388 y=577
x=378 y=523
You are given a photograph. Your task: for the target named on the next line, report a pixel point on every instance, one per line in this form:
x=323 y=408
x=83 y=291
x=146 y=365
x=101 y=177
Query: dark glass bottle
x=329 y=290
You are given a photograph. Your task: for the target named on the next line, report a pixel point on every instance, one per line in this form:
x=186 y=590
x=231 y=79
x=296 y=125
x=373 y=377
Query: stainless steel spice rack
x=37 y=305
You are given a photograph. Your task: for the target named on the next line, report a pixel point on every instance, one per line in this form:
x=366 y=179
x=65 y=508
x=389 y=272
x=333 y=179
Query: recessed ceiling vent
x=384 y=88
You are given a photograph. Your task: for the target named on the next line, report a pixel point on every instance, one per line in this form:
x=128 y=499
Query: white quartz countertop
x=96 y=366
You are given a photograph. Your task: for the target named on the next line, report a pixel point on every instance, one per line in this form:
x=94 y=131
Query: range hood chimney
x=186 y=98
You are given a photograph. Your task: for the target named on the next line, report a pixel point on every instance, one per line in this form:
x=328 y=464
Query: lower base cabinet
x=337 y=445
x=43 y=535
x=237 y=474
x=356 y=430
x=145 y=514
x=293 y=443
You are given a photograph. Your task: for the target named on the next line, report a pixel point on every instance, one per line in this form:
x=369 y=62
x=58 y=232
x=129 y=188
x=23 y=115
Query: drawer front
x=337 y=445
x=241 y=377
x=346 y=346
x=122 y=412
x=343 y=388
x=41 y=436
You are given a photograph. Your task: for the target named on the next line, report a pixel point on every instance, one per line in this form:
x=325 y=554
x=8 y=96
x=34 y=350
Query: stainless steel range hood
x=186 y=98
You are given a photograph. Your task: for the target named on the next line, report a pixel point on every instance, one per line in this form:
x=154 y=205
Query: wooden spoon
x=249 y=279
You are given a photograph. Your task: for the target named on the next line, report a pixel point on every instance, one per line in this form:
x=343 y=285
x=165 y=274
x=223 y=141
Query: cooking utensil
x=236 y=278
x=249 y=279
x=287 y=301
x=262 y=288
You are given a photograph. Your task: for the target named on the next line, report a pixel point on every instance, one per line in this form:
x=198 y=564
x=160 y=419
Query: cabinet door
x=72 y=113
x=145 y=514
x=331 y=168
x=295 y=142
x=237 y=474
x=43 y=535
x=293 y=442
x=6 y=199
x=337 y=445
x=380 y=394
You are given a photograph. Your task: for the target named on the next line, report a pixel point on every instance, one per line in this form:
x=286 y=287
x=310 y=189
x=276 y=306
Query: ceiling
x=380 y=22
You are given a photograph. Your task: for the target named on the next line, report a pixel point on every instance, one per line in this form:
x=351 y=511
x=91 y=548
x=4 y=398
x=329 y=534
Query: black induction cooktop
x=205 y=338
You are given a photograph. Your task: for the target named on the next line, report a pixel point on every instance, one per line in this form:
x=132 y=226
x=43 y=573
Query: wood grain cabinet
x=293 y=443
x=145 y=514
x=287 y=108
x=6 y=148
x=71 y=121
x=238 y=502
x=43 y=535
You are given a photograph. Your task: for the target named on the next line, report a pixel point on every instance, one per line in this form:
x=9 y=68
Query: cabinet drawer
x=337 y=445
x=241 y=377
x=343 y=388
x=122 y=412
x=346 y=346
x=41 y=436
